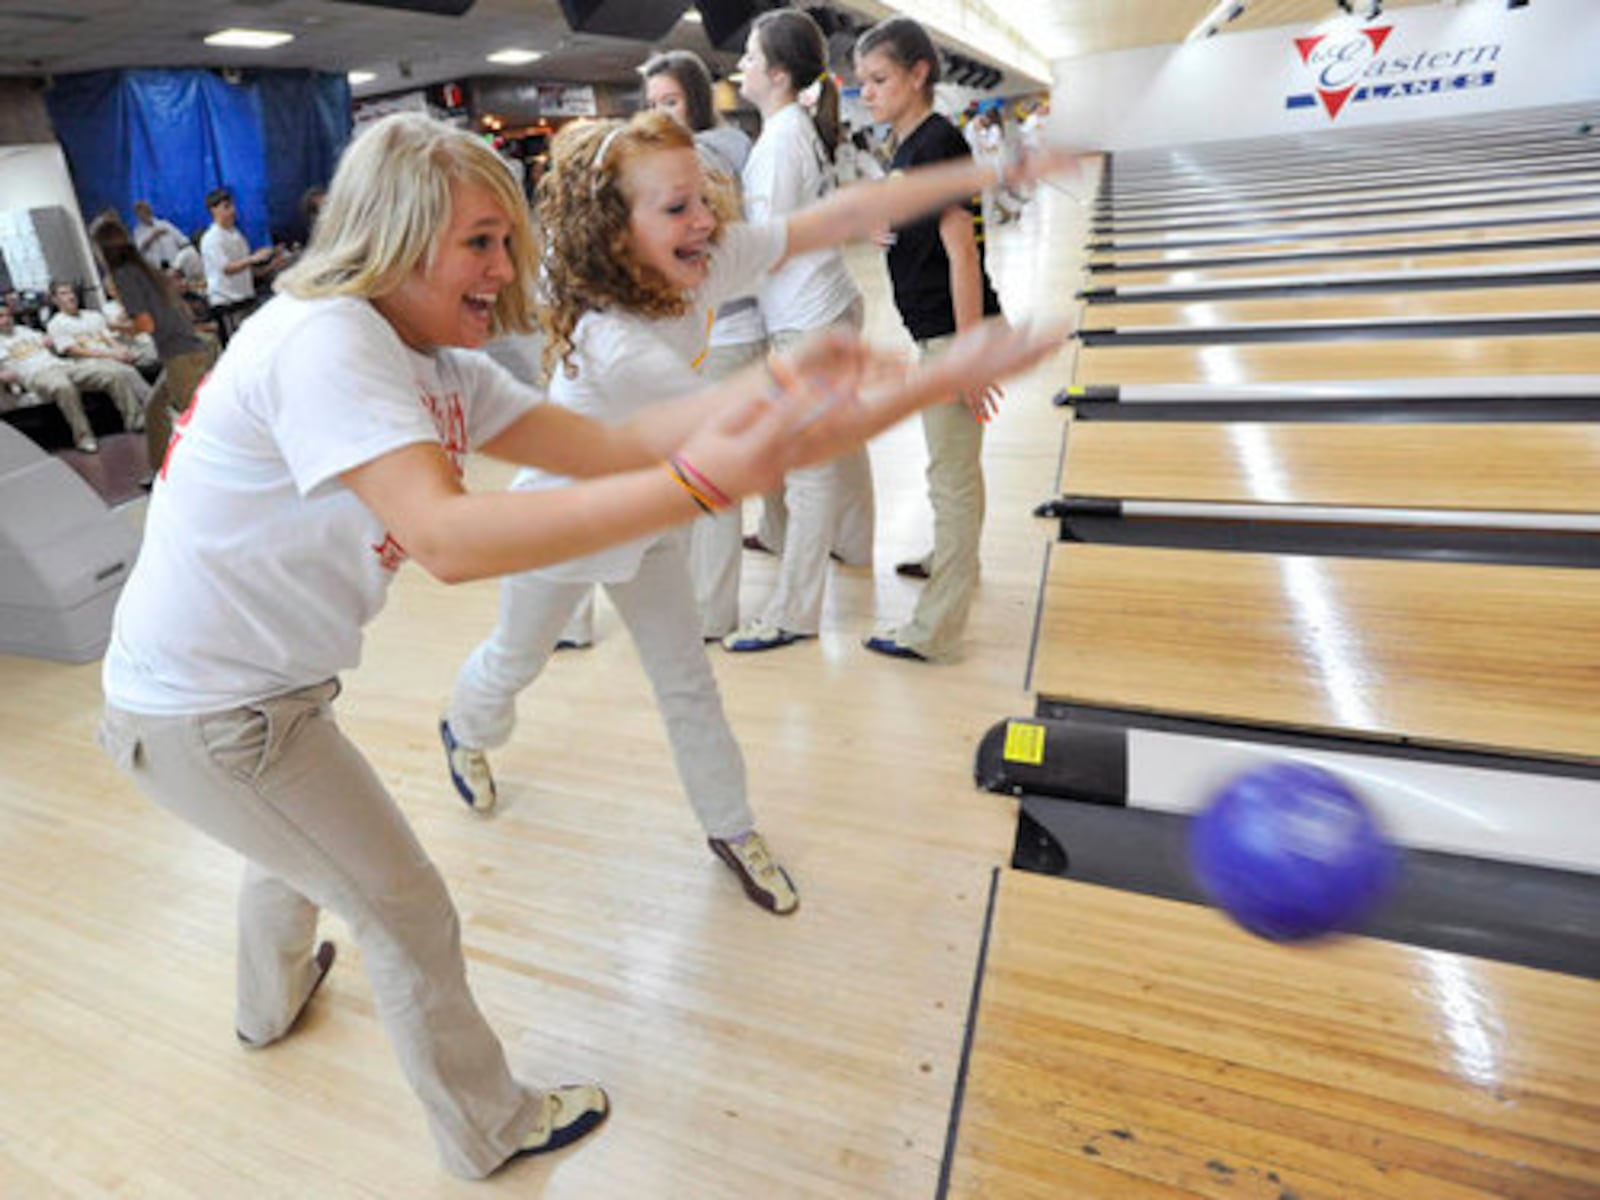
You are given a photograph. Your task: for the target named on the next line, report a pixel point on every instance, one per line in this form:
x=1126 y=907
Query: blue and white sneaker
x=469 y=770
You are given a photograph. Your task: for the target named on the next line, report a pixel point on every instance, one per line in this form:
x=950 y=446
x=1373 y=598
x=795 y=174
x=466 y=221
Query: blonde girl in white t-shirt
x=326 y=448
x=828 y=509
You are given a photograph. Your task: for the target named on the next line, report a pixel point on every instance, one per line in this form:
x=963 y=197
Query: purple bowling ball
x=1291 y=853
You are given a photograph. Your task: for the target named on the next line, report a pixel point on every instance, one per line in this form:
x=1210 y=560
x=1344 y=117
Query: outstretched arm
x=744 y=449
x=856 y=213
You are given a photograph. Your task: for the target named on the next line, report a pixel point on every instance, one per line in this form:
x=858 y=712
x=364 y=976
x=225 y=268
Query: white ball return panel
x=64 y=556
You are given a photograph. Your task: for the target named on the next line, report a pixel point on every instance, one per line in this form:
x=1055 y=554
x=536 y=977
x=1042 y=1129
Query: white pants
x=717 y=540
x=830 y=509
x=658 y=607
x=280 y=784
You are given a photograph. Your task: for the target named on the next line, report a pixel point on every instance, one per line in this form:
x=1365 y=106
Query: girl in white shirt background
x=829 y=509
x=324 y=449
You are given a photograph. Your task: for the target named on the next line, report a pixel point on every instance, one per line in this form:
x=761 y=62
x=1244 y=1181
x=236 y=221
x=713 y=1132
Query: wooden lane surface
x=1355 y=202
x=1139 y=1048
x=1354 y=243
x=1175 y=275
x=1423 y=215
x=1352 y=306
x=1552 y=467
x=1457 y=654
x=1202 y=171
x=1485 y=180
x=1559 y=354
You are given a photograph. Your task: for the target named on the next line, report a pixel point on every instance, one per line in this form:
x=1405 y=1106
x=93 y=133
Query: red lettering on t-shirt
x=182 y=423
x=450 y=420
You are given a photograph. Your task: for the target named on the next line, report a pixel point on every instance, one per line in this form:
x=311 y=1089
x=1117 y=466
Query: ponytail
x=824 y=110
x=793 y=43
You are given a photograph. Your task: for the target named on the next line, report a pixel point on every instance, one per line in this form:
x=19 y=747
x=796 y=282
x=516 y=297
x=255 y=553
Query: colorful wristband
x=686 y=471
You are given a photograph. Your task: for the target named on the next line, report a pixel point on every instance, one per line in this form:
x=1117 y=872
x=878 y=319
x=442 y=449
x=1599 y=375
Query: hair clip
x=598 y=165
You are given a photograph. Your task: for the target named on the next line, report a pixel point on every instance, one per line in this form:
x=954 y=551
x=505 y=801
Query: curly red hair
x=583 y=212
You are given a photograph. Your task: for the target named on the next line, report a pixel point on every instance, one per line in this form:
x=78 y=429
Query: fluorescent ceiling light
x=515 y=58
x=361 y=76
x=249 y=39
x=692 y=16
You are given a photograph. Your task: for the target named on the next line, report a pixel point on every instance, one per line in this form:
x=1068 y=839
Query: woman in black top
x=941 y=288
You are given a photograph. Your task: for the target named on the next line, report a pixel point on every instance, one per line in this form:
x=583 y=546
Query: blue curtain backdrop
x=170 y=136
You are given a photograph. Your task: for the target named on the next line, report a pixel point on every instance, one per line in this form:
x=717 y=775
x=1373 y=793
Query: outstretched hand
x=843 y=392
x=1039 y=165
x=972 y=364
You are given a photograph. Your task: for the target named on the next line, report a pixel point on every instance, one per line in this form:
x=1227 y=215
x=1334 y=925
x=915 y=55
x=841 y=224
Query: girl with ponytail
x=828 y=509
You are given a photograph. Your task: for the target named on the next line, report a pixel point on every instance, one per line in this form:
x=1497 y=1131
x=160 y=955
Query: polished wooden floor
x=1550 y=467
x=1457 y=240
x=1112 y=1060
x=1467 y=655
x=1361 y=306
x=1311 y=271
x=1285 y=362
x=812 y=1057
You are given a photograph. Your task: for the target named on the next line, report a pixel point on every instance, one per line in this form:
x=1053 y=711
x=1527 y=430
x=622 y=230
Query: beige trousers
x=956 y=491
x=830 y=509
x=172 y=394
x=280 y=784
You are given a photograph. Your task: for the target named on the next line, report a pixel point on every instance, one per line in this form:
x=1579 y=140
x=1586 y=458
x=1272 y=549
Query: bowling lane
x=1125 y=1046
x=1399 y=266
x=1546 y=468
x=1454 y=654
x=1443 y=358
x=1298 y=205
x=1538 y=276
x=1561 y=206
x=1354 y=245
x=1376 y=306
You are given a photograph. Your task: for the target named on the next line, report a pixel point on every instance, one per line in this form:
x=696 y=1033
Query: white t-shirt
x=788 y=170
x=86 y=330
x=159 y=242
x=218 y=248
x=26 y=352
x=725 y=149
x=259 y=566
x=627 y=362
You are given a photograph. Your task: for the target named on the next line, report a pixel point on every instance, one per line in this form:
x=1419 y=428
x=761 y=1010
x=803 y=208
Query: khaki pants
x=173 y=393
x=956 y=491
x=122 y=383
x=280 y=784
x=54 y=385
x=830 y=509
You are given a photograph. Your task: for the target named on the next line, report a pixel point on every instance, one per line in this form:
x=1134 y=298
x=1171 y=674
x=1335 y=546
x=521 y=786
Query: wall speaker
x=641 y=20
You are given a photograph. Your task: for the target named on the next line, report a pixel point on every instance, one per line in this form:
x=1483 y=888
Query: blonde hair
x=584 y=210
x=389 y=205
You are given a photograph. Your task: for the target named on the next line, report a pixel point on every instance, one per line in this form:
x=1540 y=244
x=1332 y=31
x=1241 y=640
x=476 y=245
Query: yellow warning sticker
x=1024 y=743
